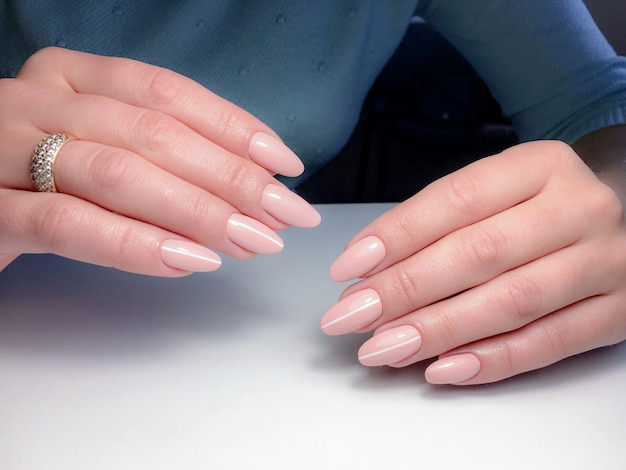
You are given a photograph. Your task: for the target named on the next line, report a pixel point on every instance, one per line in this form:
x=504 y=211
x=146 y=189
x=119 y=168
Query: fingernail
x=189 y=256
x=453 y=369
x=288 y=207
x=358 y=259
x=352 y=313
x=252 y=235
x=390 y=346
x=271 y=153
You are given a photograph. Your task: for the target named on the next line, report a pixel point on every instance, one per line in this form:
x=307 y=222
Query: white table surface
x=229 y=370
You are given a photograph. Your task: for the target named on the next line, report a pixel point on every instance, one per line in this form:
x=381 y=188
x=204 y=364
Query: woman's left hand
x=508 y=265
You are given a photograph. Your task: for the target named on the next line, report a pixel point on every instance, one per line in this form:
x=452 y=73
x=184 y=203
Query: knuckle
x=123 y=244
x=224 y=122
x=521 y=298
x=236 y=175
x=110 y=169
x=46 y=55
x=562 y=152
x=483 y=248
x=461 y=192
x=162 y=88
x=157 y=130
x=407 y=287
x=47 y=59
x=607 y=202
x=508 y=362
x=553 y=155
x=448 y=329
x=554 y=339
x=54 y=223
x=404 y=226
x=199 y=209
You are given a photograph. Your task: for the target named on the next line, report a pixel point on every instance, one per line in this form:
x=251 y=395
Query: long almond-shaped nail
x=358 y=259
x=288 y=207
x=352 y=313
x=252 y=235
x=453 y=369
x=271 y=153
x=390 y=346
x=189 y=256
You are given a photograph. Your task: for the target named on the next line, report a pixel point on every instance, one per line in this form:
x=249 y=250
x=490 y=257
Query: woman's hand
x=508 y=265
x=159 y=169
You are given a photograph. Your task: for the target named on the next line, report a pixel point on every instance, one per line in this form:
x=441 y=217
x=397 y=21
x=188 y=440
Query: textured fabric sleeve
x=546 y=62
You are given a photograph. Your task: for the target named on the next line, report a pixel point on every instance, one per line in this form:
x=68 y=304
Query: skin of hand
x=158 y=162
x=508 y=265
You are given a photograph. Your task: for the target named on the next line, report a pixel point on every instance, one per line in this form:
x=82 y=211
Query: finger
x=590 y=324
x=155 y=88
x=127 y=184
x=161 y=140
x=505 y=304
x=476 y=192
x=184 y=153
x=471 y=256
x=74 y=228
x=124 y=183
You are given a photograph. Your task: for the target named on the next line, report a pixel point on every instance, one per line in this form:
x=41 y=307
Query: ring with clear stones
x=42 y=163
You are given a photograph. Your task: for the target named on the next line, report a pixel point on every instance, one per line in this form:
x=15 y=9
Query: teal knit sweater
x=304 y=67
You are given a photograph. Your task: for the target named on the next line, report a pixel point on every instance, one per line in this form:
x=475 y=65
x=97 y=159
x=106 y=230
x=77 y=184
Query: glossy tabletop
x=101 y=369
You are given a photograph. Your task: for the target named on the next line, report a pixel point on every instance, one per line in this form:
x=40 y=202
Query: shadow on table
x=61 y=306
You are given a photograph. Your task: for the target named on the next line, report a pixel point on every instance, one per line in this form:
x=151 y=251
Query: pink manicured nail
x=352 y=313
x=390 y=346
x=288 y=207
x=358 y=259
x=252 y=235
x=453 y=369
x=189 y=256
x=271 y=153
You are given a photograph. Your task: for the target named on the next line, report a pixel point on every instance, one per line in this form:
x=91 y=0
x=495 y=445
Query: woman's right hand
x=160 y=169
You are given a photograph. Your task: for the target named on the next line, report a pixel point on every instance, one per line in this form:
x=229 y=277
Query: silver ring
x=42 y=163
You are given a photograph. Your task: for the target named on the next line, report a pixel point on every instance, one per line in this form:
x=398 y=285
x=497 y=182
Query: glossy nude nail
x=189 y=256
x=271 y=153
x=352 y=313
x=252 y=235
x=288 y=207
x=390 y=346
x=358 y=259
x=453 y=369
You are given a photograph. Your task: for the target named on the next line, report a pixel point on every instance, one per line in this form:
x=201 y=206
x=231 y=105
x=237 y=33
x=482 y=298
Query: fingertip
x=271 y=153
